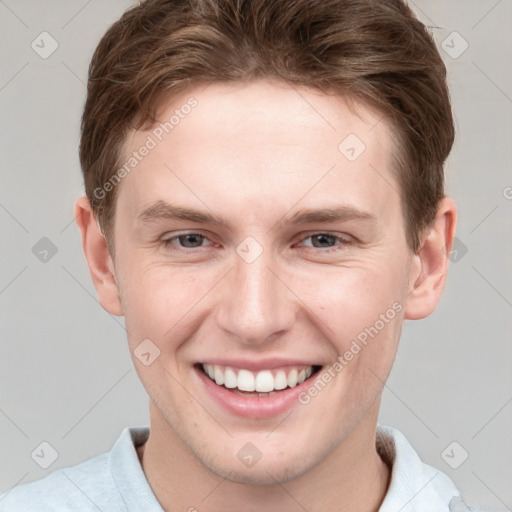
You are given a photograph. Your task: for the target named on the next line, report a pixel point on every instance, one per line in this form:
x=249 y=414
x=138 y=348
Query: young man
x=265 y=207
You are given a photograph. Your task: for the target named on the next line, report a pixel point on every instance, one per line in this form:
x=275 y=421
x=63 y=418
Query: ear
x=98 y=257
x=430 y=263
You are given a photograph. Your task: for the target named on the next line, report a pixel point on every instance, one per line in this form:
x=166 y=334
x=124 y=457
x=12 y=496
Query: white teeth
x=280 y=381
x=219 y=376
x=292 y=378
x=230 y=380
x=245 y=381
x=210 y=371
x=263 y=383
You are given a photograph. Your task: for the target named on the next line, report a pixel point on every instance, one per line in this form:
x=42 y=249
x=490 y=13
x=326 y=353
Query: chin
x=277 y=469
x=264 y=475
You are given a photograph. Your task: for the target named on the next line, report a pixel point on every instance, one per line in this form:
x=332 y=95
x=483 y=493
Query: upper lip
x=260 y=364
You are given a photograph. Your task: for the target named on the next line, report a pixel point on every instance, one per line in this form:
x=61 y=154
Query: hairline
x=352 y=101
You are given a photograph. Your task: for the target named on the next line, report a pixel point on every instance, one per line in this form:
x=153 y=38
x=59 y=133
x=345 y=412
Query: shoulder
x=82 y=487
x=103 y=482
x=414 y=485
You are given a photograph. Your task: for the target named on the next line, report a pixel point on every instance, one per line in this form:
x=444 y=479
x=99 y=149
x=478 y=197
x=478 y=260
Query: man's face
x=310 y=253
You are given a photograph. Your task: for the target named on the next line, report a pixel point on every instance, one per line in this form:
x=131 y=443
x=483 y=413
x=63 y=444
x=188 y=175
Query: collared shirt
x=115 y=482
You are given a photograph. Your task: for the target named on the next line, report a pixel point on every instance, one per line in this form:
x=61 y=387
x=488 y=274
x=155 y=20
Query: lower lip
x=255 y=407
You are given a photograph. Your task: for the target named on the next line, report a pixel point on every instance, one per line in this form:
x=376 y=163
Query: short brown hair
x=374 y=50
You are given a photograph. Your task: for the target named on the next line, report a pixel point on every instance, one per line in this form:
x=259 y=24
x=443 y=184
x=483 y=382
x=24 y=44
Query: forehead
x=258 y=139
x=270 y=107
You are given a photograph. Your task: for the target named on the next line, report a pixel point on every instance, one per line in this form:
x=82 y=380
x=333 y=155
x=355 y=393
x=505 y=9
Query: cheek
x=163 y=303
x=159 y=300
x=348 y=300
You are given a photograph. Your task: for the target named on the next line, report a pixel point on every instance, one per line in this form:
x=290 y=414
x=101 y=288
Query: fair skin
x=254 y=155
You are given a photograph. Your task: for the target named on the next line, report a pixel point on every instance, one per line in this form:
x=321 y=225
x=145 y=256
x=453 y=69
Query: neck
x=353 y=477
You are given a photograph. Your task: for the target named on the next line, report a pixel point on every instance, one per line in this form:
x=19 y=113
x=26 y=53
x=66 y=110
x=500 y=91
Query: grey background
x=66 y=376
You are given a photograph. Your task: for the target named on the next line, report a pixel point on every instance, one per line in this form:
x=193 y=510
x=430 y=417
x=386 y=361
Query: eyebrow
x=162 y=210
x=166 y=211
x=334 y=214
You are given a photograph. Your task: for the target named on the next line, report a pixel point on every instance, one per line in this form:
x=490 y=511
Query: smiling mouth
x=262 y=383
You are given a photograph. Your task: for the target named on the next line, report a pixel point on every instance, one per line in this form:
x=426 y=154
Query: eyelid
x=328 y=233
x=342 y=238
x=168 y=238
x=173 y=234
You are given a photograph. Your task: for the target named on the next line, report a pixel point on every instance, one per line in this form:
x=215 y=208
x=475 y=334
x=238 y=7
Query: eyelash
x=168 y=243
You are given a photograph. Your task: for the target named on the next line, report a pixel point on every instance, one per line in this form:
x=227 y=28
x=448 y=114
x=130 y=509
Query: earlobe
x=98 y=257
x=430 y=263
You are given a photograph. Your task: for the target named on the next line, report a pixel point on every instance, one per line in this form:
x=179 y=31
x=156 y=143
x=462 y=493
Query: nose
x=255 y=303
